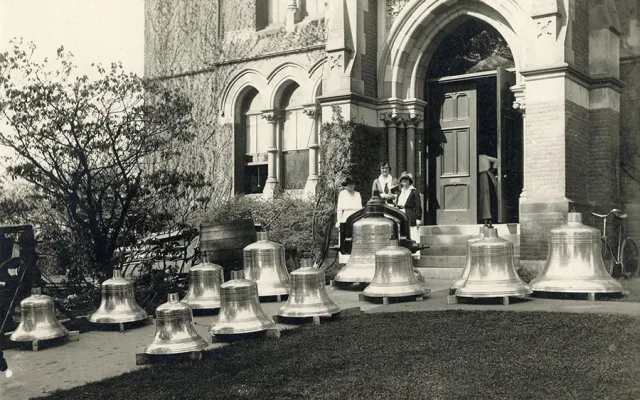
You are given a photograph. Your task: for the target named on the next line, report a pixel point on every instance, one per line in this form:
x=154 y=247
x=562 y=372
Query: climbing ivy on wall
x=348 y=148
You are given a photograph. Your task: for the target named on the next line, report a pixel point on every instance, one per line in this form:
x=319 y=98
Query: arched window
x=311 y=8
x=256 y=139
x=295 y=133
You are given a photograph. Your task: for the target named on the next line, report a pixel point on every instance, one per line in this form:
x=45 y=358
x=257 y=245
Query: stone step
x=427 y=261
x=453 y=250
x=441 y=261
x=472 y=230
x=460 y=239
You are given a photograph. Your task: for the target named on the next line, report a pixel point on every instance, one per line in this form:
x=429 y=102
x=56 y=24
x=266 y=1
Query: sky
x=95 y=31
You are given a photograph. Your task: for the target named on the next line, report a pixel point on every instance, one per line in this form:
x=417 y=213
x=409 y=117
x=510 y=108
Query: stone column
x=391 y=121
x=402 y=144
x=272 y=117
x=411 y=123
x=292 y=15
x=312 y=180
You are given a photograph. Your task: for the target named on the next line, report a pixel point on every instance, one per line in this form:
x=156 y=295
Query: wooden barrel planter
x=223 y=242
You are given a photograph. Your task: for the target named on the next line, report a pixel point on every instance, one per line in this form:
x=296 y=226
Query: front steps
x=445 y=257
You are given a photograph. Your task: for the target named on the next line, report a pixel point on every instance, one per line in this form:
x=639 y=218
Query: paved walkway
x=99 y=355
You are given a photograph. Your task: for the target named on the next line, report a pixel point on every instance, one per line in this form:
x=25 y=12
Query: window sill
x=271 y=29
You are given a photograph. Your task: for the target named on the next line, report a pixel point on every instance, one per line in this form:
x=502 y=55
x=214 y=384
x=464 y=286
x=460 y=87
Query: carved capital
x=414 y=118
x=311 y=111
x=519 y=103
x=391 y=118
x=271 y=116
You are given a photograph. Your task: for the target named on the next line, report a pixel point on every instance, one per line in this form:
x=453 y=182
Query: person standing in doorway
x=487 y=186
x=385 y=184
x=349 y=201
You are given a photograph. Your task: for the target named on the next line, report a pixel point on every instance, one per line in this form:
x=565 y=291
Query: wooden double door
x=458 y=111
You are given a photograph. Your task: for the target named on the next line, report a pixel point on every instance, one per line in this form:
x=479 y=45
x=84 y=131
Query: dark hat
x=406 y=175
x=347 y=180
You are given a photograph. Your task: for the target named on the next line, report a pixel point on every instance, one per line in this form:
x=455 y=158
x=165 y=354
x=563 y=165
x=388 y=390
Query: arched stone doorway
x=414 y=39
x=473 y=136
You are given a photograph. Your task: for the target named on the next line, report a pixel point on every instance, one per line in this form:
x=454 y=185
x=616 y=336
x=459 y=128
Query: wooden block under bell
x=316 y=320
x=271 y=333
x=146 y=359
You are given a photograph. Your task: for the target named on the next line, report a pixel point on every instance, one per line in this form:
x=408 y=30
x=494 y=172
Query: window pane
x=295 y=169
x=289 y=131
x=263 y=135
x=305 y=124
x=250 y=135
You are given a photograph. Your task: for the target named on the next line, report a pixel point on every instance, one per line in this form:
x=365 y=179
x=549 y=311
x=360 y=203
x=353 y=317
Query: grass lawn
x=428 y=355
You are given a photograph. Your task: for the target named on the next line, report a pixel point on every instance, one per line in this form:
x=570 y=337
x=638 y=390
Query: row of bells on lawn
x=38 y=320
x=574 y=264
x=368 y=231
x=574 y=261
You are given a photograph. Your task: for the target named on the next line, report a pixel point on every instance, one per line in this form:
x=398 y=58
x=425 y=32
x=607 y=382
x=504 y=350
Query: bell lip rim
x=241 y=331
x=519 y=293
x=187 y=350
x=112 y=320
x=316 y=314
x=582 y=291
x=47 y=337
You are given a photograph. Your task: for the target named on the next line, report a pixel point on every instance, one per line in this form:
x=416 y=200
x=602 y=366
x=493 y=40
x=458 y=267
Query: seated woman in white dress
x=349 y=201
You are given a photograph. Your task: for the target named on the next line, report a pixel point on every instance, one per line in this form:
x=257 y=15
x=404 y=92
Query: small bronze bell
x=38 y=319
x=492 y=272
x=467 y=265
x=240 y=310
x=175 y=331
x=118 y=303
x=369 y=235
x=309 y=297
x=395 y=275
x=204 y=286
x=574 y=262
x=264 y=263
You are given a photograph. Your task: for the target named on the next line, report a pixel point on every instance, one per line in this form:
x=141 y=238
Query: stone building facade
x=564 y=112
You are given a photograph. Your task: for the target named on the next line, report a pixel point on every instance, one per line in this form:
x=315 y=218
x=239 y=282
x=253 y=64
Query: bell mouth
x=574 y=217
x=173 y=298
x=263 y=236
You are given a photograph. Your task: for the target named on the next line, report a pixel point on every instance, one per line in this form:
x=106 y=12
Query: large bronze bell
x=175 y=331
x=118 y=303
x=309 y=297
x=394 y=276
x=204 y=286
x=38 y=320
x=370 y=235
x=264 y=263
x=240 y=310
x=574 y=261
x=467 y=265
x=492 y=272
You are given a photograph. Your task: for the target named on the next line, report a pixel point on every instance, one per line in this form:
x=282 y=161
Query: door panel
x=456 y=164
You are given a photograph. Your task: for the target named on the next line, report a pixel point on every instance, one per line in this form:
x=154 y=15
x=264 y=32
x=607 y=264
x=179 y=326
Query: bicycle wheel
x=629 y=257
x=607 y=256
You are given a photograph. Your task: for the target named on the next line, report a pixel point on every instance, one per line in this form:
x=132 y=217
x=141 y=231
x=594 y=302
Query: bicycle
x=626 y=256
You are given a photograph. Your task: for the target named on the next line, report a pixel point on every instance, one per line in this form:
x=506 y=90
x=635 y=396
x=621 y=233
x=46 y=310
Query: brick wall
x=544 y=141
x=604 y=160
x=536 y=220
x=370 y=59
x=578 y=165
x=580 y=36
